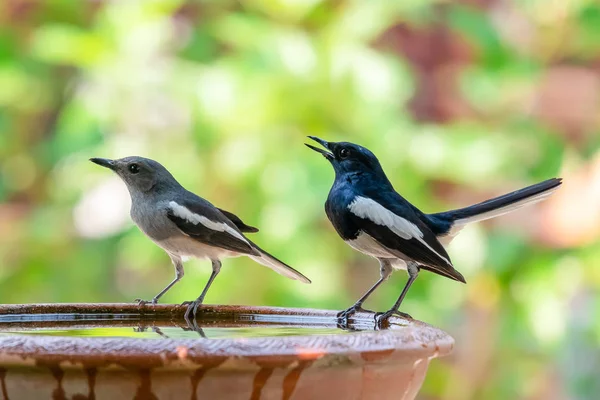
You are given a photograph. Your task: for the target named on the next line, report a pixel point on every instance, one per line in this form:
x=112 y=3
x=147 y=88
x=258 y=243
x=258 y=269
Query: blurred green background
x=460 y=100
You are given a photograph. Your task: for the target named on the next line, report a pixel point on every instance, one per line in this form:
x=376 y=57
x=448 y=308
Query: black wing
x=425 y=249
x=238 y=222
x=203 y=222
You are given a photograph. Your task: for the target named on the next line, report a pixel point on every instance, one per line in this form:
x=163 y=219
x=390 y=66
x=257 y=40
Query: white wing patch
x=193 y=218
x=370 y=209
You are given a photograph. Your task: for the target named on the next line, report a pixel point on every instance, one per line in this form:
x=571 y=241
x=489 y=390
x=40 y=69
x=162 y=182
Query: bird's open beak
x=323 y=143
x=105 y=162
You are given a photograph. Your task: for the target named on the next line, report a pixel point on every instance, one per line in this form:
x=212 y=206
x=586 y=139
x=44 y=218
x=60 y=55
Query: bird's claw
x=346 y=326
x=143 y=328
x=142 y=303
x=193 y=326
x=192 y=309
x=346 y=314
x=382 y=318
x=159 y=332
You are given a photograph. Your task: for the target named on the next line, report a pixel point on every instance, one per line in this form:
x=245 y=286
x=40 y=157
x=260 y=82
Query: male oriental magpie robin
x=374 y=219
x=185 y=225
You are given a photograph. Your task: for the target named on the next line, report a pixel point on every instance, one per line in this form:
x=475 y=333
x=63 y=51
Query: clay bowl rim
x=405 y=338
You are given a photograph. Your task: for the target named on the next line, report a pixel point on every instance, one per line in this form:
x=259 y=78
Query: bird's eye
x=344 y=153
x=133 y=168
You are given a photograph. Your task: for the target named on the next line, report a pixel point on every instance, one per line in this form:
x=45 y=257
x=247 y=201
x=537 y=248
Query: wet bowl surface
x=123 y=351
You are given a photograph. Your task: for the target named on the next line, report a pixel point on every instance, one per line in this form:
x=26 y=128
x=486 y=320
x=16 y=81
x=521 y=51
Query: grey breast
x=152 y=219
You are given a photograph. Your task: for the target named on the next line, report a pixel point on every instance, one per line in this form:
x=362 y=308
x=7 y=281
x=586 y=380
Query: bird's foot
x=190 y=316
x=159 y=332
x=192 y=309
x=381 y=319
x=193 y=326
x=140 y=328
x=142 y=303
x=346 y=314
x=143 y=328
x=345 y=325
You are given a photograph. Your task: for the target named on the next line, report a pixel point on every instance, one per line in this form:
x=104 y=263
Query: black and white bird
x=374 y=219
x=186 y=225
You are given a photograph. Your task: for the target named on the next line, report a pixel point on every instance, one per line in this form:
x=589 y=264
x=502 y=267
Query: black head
x=348 y=157
x=139 y=174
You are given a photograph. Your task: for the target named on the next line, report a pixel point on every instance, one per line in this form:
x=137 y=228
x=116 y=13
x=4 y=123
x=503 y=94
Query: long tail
x=277 y=265
x=457 y=219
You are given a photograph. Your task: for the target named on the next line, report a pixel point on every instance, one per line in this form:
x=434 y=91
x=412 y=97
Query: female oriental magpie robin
x=186 y=225
x=374 y=219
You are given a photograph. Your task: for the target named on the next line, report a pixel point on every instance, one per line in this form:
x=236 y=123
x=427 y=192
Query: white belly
x=184 y=246
x=399 y=264
x=371 y=247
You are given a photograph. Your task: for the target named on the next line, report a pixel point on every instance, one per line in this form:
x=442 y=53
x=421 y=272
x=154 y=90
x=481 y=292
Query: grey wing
x=201 y=221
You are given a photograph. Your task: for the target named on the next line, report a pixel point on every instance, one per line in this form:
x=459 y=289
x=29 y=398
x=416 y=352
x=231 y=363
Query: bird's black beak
x=105 y=162
x=323 y=143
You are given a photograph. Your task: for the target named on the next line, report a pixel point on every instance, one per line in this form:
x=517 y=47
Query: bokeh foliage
x=460 y=100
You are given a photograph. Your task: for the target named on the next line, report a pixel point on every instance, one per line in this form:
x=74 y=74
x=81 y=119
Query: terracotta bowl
x=258 y=353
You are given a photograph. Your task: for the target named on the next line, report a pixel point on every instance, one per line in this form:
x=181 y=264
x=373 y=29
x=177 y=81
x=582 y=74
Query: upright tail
x=276 y=265
x=455 y=220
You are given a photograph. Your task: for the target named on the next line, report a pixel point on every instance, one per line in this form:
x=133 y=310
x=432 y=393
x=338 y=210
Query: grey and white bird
x=186 y=225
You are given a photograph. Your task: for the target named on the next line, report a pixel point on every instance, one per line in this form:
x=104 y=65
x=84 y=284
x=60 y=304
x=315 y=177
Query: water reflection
x=135 y=325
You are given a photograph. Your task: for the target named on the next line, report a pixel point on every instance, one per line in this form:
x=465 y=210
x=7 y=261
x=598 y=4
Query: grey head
x=141 y=175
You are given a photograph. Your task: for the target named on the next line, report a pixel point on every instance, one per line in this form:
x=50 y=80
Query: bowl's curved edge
x=414 y=339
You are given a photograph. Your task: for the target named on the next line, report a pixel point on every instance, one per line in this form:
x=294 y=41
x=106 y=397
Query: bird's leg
x=142 y=328
x=193 y=326
x=357 y=307
x=413 y=272
x=385 y=270
x=192 y=309
x=178 y=264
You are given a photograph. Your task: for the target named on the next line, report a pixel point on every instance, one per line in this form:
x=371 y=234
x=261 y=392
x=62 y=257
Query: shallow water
x=135 y=326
